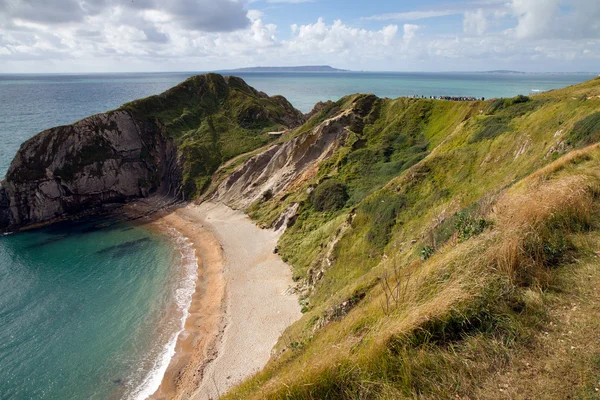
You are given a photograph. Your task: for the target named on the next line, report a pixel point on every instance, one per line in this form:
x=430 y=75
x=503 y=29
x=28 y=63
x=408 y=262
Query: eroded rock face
x=70 y=169
x=277 y=168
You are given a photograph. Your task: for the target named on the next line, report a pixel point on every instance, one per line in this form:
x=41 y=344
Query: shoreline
x=241 y=303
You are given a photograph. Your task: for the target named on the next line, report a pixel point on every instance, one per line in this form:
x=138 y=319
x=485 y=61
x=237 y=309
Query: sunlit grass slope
x=440 y=257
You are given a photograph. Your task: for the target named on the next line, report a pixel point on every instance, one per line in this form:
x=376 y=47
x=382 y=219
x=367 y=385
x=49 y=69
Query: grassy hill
x=447 y=250
x=213 y=119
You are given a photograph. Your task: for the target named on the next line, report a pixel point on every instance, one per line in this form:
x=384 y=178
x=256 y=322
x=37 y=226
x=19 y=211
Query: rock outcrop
x=106 y=158
x=277 y=168
x=168 y=144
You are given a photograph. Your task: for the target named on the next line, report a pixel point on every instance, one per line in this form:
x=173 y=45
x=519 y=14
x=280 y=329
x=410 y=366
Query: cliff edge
x=169 y=144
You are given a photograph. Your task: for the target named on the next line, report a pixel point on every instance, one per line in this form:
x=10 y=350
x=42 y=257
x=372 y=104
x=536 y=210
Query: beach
x=241 y=305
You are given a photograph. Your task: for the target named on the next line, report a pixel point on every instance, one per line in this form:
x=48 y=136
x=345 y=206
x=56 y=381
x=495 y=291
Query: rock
x=134 y=152
x=105 y=158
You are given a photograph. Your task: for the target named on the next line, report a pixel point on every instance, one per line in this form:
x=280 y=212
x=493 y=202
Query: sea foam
x=183 y=299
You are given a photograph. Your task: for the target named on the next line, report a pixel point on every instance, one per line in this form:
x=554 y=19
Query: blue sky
x=175 y=35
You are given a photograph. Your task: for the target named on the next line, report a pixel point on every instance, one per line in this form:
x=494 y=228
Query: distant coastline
x=302 y=68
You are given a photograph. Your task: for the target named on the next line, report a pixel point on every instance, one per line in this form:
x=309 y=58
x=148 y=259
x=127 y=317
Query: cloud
x=338 y=38
x=59 y=11
x=253 y=15
x=109 y=35
x=200 y=15
x=389 y=33
x=555 y=19
x=535 y=17
x=210 y=15
x=410 y=16
x=410 y=32
x=475 y=22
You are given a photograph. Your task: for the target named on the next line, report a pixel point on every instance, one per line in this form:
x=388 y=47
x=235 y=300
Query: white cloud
x=535 y=17
x=410 y=32
x=519 y=34
x=339 y=38
x=253 y=15
x=411 y=15
x=200 y=15
x=475 y=22
x=389 y=33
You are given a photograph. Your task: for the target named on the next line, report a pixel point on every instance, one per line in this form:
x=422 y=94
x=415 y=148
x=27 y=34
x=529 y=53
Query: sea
x=92 y=309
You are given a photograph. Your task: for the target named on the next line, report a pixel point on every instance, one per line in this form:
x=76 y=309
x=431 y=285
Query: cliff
x=169 y=144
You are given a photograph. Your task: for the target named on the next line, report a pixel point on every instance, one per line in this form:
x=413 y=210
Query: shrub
x=267 y=195
x=468 y=226
x=500 y=104
x=330 y=195
x=516 y=100
x=427 y=252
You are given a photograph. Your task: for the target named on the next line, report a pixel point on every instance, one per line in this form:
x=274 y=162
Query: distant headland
x=302 y=68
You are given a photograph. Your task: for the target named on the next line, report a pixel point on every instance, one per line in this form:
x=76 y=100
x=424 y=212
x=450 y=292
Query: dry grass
x=535 y=218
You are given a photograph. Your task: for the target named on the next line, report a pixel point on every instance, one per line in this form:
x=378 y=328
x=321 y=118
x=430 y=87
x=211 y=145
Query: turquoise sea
x=91 y=309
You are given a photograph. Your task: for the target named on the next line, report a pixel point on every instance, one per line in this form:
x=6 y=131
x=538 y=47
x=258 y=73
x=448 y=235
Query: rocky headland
x=167 y=145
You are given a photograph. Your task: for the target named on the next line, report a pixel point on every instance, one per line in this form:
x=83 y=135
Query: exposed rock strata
x=106 y=158
x=277 y=168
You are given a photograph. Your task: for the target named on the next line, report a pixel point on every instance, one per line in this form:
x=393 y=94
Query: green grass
x=585 y=131
x=213 y=120
x=459 y=181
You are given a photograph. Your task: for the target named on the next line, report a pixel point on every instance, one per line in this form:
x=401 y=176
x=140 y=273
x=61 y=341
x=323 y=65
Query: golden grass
x=535 y=217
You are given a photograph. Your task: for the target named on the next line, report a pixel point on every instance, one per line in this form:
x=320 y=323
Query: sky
x=372 y=35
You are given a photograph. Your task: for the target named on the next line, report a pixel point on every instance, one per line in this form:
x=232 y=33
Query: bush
x=330 y=195
x=426 y=252
x=500 y=104
x=267 y=195
x=468 y=226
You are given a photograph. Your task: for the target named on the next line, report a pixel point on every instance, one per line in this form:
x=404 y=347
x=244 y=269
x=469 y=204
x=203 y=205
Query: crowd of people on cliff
x=451 y=98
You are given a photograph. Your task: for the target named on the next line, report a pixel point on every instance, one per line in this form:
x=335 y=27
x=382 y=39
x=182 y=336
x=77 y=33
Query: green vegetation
x=466 y=242
x=329 y=196
x=213 y=119
x=586 y=131
x=490 y=127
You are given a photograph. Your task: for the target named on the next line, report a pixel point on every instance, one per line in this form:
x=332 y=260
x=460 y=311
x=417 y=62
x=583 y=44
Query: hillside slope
x=433 y=243
x=168 y=144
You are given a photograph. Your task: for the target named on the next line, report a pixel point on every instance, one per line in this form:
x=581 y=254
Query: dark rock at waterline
x=73 y=169
x=122 y=249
